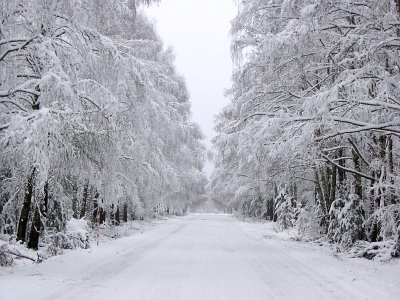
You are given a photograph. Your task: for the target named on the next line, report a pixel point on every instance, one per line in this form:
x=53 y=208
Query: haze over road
x=205 y=257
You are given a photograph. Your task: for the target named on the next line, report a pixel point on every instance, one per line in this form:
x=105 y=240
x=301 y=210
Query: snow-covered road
x=203 y=257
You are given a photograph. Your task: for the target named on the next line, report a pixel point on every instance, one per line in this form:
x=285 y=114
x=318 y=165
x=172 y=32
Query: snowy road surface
x=202 y=257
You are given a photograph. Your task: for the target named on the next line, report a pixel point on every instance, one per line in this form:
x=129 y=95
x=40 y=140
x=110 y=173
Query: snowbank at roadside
x=77 y=235
x=261 y=229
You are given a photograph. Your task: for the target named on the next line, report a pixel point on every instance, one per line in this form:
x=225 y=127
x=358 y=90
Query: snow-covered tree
x=93 y=118
x=313 y=103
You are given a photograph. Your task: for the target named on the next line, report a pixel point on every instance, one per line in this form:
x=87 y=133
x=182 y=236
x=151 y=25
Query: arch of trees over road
x=95 y=122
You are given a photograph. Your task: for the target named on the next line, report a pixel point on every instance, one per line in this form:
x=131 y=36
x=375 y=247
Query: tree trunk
x=102 y=215
x=372 y=203
x=75 y=203
x=46 y=199
x=132 y=6
x=383 y=199
x=341 y=173
x=2 y=70
x=393 y=198
x=390 y=154
x=125 y=213
x=26 y=207
x=40 y=210
x=357 y=178
x=84 y=200
x=295 y=191
x=95 y=207
x=112 y=215
x=324 y=186
x=319 y=194
x=117 y=217
x=327 y=181
x=270 y=209
x=332 y=195
x=275 y=216
x=35 y=231
x=398 y=6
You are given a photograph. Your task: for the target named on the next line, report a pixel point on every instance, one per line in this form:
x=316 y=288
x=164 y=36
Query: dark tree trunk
x=332 y=195
x=75 y=203
x=26 y=207
x=380 y=142
x=398 y=6
x=270 y=209
x=383 y=171
x=125 y=213
x=328 y=186
x=2 y=71
x=373 y=204
x=319 y=194
x=95 y=208
x=98 y=210
x=35 y=231
x=117 y=217
x=341 y=173
x=324 y=189
x=102 y=215
x=357 y=178
x=40 y=210
x=382 y=146
x=393 y=197
x=84 y=200
x=112 y=215
x=46 y=199
x=390 y=154
x=275 y=216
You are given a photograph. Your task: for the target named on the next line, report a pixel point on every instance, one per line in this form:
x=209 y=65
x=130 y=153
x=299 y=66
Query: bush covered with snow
x=309 y=223
x=286 y=210
x=346 y=221
x=383 y=224
x=5 y=259
x=12 y=251
x=396 y=247
x=76 y=235
x=383 y=231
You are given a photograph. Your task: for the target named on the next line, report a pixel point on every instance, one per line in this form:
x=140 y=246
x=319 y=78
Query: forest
x=113 y=184
x=310 y=139
x=96 y=125
x=94 y=121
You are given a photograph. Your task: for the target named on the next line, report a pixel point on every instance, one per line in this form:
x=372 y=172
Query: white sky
x=198 y=31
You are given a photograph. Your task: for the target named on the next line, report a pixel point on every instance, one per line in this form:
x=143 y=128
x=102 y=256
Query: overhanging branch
x=347 y=169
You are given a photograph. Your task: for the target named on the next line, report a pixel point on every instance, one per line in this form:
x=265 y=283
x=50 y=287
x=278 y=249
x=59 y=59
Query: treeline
x=94 y=121
x=311 y=137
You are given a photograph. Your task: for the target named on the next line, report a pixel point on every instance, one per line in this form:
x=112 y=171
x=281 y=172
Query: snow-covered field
x=203 y=256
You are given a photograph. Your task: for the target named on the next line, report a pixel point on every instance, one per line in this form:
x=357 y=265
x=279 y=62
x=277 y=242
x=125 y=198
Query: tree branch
x=347 y=169
x=14 y=103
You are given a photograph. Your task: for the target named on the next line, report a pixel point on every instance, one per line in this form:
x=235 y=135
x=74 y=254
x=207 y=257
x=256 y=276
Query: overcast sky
x=199 y=33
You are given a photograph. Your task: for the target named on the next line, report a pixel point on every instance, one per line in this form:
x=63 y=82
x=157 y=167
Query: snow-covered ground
x=203 y=256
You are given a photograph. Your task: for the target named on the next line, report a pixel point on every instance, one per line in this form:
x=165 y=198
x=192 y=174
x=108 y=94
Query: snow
x=77 y=225
x=203 y=256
